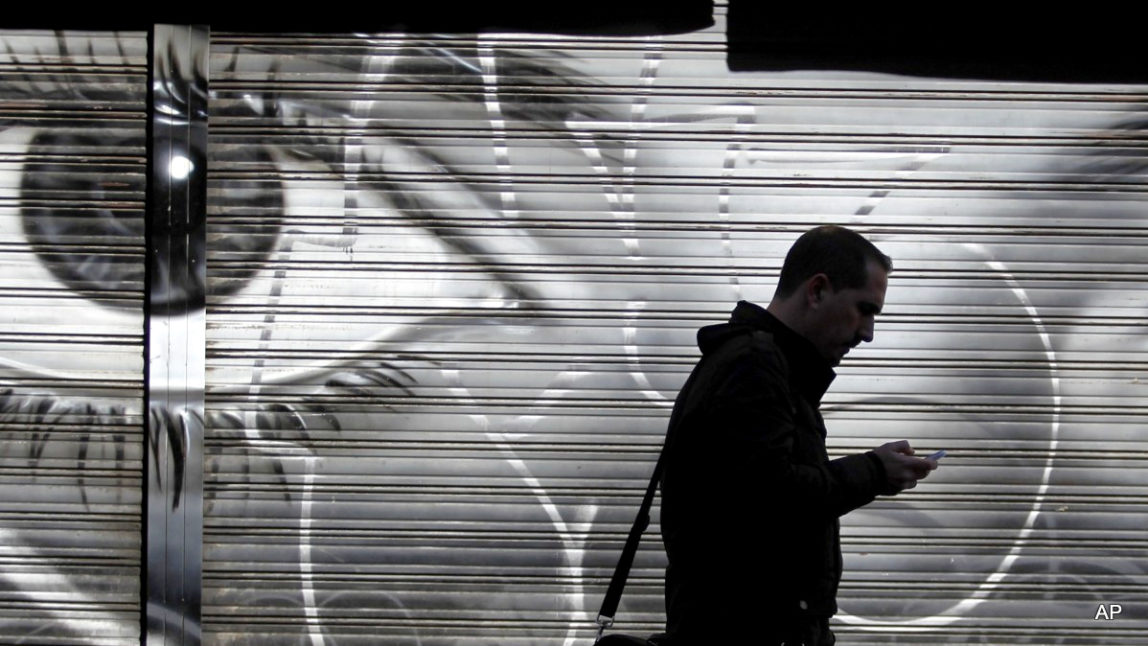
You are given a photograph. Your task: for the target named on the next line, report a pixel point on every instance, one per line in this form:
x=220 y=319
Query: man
x=750 y=500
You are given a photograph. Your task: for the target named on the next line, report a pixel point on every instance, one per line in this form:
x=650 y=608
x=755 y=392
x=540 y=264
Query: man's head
x=831 y=288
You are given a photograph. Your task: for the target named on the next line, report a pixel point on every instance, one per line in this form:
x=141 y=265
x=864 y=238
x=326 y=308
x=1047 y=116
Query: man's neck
x=786 y=311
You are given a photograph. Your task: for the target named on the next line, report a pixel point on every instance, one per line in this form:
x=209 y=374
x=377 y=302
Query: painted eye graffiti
x=67 y=239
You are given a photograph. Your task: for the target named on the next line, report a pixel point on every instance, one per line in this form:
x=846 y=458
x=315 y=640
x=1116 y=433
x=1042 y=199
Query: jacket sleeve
x=862 y=477
x=755 y=412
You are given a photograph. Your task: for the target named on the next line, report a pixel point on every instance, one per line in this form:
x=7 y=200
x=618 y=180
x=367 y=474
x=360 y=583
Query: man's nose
x=867 y=330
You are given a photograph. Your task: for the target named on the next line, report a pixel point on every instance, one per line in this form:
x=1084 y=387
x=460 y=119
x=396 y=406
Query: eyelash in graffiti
x=30 y=81
x=176 y=426
x=44 y=416
x=294 y=423
x=46 y=419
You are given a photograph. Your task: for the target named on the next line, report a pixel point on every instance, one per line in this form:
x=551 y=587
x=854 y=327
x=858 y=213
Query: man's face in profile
x=844 y=318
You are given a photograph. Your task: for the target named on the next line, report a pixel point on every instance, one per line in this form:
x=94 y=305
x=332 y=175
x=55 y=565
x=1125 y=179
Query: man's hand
x=902 y=469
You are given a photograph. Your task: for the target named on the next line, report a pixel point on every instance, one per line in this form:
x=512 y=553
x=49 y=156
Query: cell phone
x=937 y=456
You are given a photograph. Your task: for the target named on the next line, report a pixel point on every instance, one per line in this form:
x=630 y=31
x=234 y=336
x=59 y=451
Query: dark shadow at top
x=583 y=18
x=996 y=43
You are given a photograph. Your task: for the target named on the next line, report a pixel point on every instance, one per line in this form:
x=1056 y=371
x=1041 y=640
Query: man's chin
x=834 y=357
x=836 y=361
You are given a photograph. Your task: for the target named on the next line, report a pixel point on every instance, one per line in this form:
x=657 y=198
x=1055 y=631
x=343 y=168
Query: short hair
x=841 y=254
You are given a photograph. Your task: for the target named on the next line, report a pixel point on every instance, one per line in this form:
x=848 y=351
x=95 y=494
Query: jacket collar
x=809 y=373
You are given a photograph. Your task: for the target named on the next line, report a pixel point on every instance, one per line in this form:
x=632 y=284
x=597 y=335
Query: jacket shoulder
x=744 y=364
x=757 y=346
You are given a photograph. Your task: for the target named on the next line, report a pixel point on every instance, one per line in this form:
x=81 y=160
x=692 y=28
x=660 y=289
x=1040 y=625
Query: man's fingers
x=914 y=469
x=902 y=468
x=923 y=467
x=901 y=446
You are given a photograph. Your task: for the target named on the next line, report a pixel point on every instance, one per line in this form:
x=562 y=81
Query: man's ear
x=816 y=289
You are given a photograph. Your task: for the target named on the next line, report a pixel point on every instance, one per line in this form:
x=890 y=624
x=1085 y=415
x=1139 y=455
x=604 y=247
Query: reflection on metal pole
x=175 y=332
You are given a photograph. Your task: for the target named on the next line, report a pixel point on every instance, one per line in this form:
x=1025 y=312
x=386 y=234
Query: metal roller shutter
x=72 y=169
x=455 y=281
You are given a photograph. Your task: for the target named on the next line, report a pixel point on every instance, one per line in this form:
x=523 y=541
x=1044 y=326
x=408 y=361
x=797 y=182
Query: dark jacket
x=750 y=499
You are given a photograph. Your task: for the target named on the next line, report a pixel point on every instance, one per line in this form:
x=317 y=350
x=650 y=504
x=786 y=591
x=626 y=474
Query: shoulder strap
x=626 y=560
